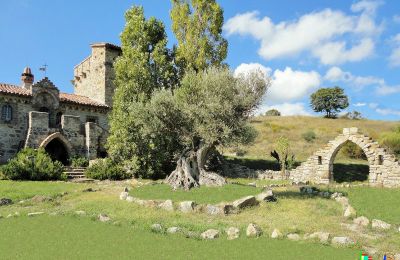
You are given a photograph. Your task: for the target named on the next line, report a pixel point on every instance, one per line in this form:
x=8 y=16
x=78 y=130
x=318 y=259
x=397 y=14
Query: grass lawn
x=202 y=195
x=62 y=237
x=376 y=203
x=20 y=190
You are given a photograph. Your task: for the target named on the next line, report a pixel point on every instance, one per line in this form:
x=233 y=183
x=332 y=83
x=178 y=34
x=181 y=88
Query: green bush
x=391 y=140
x=353 y=151
x=78 y=161
x=309 y=136
x=106 y=169
x=35 y=165
x=273 y=112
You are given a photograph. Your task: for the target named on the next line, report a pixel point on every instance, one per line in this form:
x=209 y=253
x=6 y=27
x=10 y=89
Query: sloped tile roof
x=64 y=97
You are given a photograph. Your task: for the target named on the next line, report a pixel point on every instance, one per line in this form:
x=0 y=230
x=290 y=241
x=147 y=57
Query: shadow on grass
x=255 y=164
x=347 y=172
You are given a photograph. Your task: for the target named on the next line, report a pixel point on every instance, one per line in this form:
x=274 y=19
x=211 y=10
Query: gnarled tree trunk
x=190 y=171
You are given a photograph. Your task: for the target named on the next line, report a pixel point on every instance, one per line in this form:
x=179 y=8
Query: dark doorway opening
x=57 y=151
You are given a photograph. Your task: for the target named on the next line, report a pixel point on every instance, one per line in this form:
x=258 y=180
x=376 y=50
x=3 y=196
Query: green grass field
x=201 y=195
x=56 y=237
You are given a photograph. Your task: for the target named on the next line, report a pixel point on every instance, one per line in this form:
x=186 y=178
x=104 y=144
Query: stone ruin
x=384 y=168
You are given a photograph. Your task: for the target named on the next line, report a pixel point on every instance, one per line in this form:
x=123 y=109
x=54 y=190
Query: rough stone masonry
x=37 y=114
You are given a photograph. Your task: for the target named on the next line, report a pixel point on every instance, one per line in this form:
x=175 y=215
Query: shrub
x=272 y=112
x=36 y=165
x=391 y=140
x=106 y=169
x=309 y=136
x=353 y=151
x=78 y=161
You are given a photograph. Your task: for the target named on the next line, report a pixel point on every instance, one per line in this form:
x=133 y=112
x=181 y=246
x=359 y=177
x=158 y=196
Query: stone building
x=37 y=114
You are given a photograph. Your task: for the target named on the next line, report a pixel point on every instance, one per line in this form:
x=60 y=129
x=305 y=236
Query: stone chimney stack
x=27 y=78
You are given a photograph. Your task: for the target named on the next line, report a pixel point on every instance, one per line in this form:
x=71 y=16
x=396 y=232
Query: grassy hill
x=270 y=128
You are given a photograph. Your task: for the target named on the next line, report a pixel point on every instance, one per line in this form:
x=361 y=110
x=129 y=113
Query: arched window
x=6 y=113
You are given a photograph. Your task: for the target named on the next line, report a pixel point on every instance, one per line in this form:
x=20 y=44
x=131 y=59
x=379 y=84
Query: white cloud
x=373 y=105
x=394 y=58
x=388 y=111
x=387 y=90
x=319 y=33
x=287 y=109
x=336 y=74
x=359 y=104
x=287 y=85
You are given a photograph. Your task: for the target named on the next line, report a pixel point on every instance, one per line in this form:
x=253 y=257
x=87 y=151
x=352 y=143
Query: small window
x=58 y=119
x=7 y=113
x=380 y=159
x=320 y=160
x=92 y=119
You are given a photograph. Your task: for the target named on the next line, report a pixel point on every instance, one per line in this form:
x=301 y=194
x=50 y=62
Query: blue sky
x=301 y=45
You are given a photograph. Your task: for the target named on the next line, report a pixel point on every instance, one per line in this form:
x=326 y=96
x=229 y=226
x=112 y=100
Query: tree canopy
x=329 y=100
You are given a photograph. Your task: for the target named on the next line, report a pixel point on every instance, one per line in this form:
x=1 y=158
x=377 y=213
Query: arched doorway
x=57 y=151
x=349 y=164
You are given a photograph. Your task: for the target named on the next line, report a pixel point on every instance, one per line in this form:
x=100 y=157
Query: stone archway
x=58 y=147
x=384 y=169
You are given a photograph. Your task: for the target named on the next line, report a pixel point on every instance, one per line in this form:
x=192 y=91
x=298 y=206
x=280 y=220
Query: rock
x=210 y=234
x=5 y=201
x=227 y=208
x=80 y=212
x=245 y=202
x=88 y=190
x=173 y=230
x=253 y=184
x=350 y=212
x=32 y=214
x=232 y=233
x=213 y=210
x=130 y=199
x=126 y=189
x=267 y=196
x=104 y=218
x=309 y=190
x=276 y=234
x=342 y=241
x=150 y=203
x=191 y=234
x=156 y=228
x=166 y=205
x=187 y=206
x=343 y=200
x=361 y=221
x=397 y=256
x=379 y=224
x=293 y=236
x=323 y=237
x=40 y=199
x=253 y=230
x=123 y=195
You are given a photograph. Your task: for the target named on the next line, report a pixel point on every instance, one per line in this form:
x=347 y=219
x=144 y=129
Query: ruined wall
x=384 y=169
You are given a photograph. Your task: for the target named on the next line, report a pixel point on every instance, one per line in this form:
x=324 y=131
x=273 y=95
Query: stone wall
x=384 y=169
x=94 y=76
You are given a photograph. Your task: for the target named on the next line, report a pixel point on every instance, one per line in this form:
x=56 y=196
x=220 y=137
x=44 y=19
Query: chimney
x=27 y=78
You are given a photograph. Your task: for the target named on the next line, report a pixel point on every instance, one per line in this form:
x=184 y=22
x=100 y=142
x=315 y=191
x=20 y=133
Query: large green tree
x=197 y=25
x=213 y=108
x=329 y=100
x=145 y=65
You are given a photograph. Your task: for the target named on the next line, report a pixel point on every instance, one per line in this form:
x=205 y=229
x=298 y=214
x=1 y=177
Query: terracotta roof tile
x=64 y=97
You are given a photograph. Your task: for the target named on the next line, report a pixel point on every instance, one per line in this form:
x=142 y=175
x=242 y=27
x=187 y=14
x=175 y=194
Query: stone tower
x=94 y=76
x=27 y=78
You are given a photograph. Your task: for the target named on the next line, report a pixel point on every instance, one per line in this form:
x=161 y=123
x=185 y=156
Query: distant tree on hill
x=273 y=112
x=329 y=100
x=354 y=115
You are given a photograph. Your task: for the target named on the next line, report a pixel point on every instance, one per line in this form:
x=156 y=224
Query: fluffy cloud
x=387 y=90
x=319 y=33
x=287 y=85
x=336 y=74
x=394 y=58
x=359 y=104
x=388 y=111
x=287 y=109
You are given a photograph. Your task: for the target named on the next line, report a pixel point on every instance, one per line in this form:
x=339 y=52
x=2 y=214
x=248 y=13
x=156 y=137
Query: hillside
x=293 y=127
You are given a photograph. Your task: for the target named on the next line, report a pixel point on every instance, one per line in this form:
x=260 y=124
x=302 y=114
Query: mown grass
x=377 y=203
x=20 y=190
x=56 y=237
x=202 y=195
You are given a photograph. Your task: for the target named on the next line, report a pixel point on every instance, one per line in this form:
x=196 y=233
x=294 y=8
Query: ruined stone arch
x=384 y=169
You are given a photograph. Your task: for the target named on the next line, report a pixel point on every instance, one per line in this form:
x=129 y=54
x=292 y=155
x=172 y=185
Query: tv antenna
x=44 y=69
